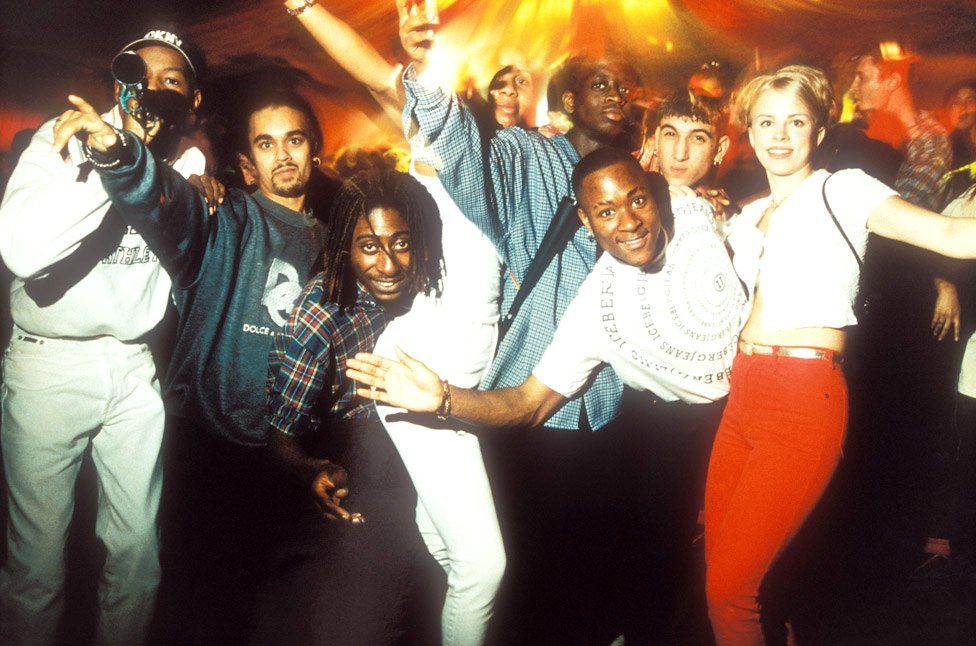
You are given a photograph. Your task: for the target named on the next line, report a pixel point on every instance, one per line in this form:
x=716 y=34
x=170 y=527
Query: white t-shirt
x=672 y=332
x=454 y=334
x=808 y=274
x=471 y=282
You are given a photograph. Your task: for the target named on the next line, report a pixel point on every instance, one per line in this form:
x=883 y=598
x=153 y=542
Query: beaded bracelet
x=90 y=154
x=444 y=410
x=300 y=10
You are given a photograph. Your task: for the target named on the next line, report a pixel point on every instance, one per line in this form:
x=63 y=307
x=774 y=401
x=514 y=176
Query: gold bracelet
x=444 y=410
x=300 y=10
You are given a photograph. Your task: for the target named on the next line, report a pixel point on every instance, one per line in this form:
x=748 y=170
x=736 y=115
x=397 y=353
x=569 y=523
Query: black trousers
x=221 y=507
x=367 y=584
x=660 y=452
x=599 y=526
x=247 y=558
x=962 y=509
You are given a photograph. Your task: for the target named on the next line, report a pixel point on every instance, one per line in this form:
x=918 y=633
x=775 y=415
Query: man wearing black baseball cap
x=78 y=373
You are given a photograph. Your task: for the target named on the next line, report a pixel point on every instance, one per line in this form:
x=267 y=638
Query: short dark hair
x=605 y=157
x=955 y=87
x=276 y=97
x=573 y=74
x=358 y=196
x=703 y=109
x=904 y=67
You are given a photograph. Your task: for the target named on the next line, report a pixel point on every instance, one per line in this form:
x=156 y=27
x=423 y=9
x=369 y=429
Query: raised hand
x=82 y=121
x=418 y=23
x=406 y=383
x=647 y=155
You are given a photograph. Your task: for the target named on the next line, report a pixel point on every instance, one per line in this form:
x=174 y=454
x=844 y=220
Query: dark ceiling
x=50 y=46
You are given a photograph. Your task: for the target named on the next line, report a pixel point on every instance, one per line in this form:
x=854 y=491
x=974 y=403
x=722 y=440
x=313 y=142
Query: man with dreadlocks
x=236 y=275
x=384 y=249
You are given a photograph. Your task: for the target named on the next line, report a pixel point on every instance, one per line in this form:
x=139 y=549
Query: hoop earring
x=316 y=161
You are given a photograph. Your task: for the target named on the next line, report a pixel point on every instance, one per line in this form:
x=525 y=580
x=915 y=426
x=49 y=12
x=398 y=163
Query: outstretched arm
x=410 y=384
x=353 y=54
x=167 y=211
x=903 y=221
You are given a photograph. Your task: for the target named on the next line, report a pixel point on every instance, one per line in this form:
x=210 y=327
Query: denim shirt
x=512 y=201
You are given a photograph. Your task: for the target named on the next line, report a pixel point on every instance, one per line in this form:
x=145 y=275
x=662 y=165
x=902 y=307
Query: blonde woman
x=782 y=432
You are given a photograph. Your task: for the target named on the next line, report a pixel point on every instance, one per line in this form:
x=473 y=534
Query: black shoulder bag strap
x=561 y=230
x=861 y=304
x=823 y=192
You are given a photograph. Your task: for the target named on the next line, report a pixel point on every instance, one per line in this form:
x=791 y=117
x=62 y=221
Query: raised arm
x=410 y=384
x=453 y=143
x=353 y=54
x=900 y=220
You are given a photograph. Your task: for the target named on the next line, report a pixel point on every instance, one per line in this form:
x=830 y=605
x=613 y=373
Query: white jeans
x=58 y=396
x=455 y=508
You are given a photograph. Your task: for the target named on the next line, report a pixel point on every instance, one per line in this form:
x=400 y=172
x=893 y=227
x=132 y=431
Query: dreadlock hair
x=360 y=194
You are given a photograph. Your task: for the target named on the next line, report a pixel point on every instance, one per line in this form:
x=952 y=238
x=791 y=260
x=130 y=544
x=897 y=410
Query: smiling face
x=281 y=153
x=687 y=149
x=617 y=206
x=601 y=105
x=381 y=255
x=782 y=132
x=512 y=95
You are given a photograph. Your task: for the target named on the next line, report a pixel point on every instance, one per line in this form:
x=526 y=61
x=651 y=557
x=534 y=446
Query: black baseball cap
x=163 y=37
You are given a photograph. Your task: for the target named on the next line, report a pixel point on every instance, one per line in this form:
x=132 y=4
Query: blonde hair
x=808 y=84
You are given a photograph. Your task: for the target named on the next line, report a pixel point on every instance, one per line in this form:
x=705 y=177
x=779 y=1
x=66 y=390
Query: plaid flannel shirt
x=527 y=174
x=307 y=364
x=928 y=157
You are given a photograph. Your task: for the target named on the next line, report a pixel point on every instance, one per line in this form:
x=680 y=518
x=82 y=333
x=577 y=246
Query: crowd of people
x=373 y=405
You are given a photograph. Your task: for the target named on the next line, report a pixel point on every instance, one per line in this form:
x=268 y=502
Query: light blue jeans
x=59 y=396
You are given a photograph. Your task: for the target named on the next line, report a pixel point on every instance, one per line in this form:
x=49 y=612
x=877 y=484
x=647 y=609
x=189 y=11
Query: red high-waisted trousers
x=775 y=451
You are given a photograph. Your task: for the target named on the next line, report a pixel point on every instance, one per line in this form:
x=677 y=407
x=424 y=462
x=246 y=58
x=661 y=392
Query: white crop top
x=808 y=274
